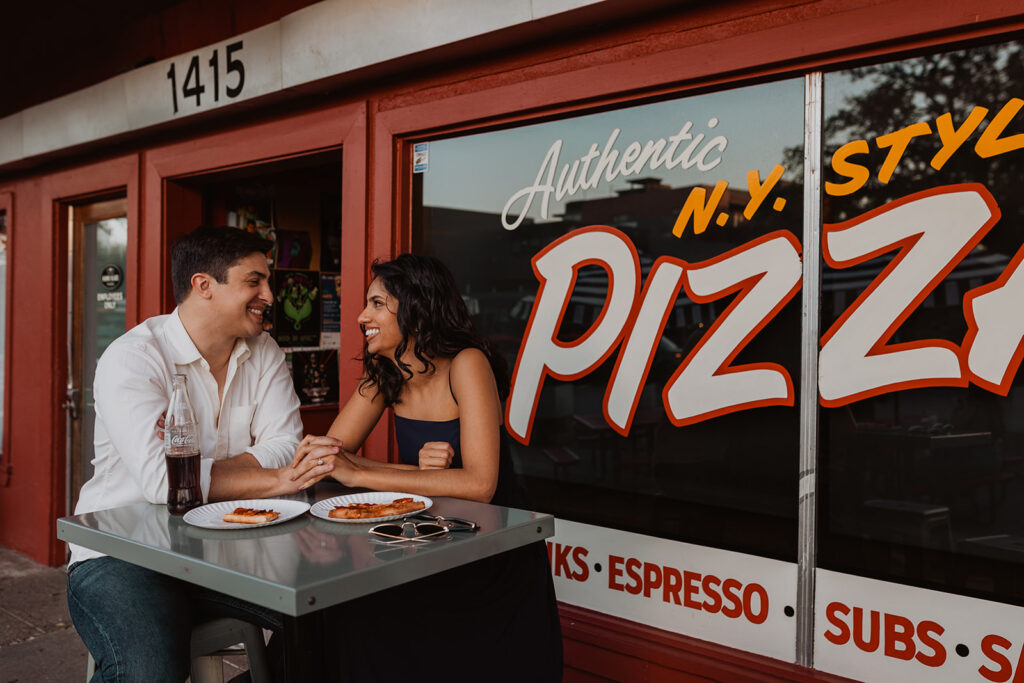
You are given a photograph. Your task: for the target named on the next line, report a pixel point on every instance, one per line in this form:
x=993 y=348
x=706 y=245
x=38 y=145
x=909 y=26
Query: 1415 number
x=193 y=84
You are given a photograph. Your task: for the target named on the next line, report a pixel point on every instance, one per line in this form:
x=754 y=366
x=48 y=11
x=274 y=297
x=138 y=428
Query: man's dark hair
x=212 y=251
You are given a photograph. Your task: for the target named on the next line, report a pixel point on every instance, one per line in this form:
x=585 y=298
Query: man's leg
x=136 y=623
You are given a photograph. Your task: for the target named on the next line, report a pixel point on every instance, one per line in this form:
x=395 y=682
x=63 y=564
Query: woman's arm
x=479 y=422
x=357 y=419
x=349 y=430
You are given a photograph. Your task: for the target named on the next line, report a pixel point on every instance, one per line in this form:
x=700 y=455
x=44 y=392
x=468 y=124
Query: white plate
x=324 y=507
x=210 y=516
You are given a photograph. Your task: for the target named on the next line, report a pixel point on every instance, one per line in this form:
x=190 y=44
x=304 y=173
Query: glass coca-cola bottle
x=181 y=450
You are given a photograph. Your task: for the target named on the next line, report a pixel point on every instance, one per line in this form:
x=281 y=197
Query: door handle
x=71 y=403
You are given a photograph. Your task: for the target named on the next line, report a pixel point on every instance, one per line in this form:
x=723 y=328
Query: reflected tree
x=871 y=101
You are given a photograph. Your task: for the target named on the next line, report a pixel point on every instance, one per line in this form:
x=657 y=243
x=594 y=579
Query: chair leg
x=209 y=640
x=256 y=653
x=208 y=669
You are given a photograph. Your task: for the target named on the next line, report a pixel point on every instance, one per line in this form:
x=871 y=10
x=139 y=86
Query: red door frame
x=726 y=48
x=59 y=190
x=7 y=206
x=37 y=336
x=282 y=137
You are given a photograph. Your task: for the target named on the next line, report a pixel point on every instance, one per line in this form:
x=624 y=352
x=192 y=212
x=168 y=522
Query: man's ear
x=202 y=285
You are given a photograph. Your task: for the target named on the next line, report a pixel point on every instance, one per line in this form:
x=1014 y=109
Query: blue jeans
x=137 y=623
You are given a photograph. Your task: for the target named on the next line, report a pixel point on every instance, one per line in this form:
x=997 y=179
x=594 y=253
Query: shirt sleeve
x=276 y=425
x=131 y=390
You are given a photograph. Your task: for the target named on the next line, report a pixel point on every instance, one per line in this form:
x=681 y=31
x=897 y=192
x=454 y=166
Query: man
x=137 y=623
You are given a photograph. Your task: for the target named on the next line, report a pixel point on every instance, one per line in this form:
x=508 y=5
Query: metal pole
x=807 y=551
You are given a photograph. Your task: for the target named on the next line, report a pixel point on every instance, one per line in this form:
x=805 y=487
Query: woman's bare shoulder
x=470 y=362
x=471 y=371
x=470 y=356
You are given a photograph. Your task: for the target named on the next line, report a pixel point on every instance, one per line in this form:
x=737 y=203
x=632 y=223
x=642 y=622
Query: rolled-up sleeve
x=276 y=424
x=131 y=391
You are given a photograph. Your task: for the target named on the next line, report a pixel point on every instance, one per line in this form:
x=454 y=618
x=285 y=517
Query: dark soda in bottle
x=181 y=451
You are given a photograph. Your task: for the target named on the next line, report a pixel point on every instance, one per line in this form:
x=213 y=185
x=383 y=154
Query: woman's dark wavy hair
x=430 y=309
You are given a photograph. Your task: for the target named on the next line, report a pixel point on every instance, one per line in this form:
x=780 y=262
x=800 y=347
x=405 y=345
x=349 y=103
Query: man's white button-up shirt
x=259 y=412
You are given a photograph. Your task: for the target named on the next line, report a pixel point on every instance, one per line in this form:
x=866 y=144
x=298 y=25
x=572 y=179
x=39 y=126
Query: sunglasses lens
x=429 y=529
x=388 y=530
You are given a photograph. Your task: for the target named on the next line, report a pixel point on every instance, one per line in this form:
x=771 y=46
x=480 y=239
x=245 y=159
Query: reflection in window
x=488 y=203
x=926 y=485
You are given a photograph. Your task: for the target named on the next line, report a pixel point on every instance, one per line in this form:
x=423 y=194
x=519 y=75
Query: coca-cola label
x=181 y=440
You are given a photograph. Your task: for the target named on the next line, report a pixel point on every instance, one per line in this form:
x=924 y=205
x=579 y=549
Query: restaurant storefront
x=755 y=269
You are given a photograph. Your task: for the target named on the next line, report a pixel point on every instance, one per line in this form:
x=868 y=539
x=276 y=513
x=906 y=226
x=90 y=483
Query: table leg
x=305 y=657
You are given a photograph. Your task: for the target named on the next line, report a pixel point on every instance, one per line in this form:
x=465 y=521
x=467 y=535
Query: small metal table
x=302 y=566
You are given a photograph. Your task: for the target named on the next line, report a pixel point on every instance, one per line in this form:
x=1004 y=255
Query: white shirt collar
x=183 y=349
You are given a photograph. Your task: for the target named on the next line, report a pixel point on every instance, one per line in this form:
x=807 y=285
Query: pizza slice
x=399 y=506
x=250 y=516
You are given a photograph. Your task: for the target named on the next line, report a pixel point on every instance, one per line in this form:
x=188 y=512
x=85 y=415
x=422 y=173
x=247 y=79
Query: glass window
x=921 y=462
x=707 y=191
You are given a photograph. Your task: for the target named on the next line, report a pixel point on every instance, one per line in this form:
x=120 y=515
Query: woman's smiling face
x=379 y=320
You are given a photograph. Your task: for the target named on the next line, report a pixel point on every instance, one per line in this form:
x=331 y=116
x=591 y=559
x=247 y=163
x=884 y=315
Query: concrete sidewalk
x=38 y=643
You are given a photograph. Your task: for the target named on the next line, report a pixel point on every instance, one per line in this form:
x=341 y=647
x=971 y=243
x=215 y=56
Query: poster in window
x=294 y=249
x=297 y=307
x=330 y=307
x=315 y=374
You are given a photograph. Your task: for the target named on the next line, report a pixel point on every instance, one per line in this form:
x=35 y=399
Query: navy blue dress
x=412 y=434
x=495 y=619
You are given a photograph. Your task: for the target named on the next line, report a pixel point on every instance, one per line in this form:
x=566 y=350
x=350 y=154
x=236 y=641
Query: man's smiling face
x=243 y=300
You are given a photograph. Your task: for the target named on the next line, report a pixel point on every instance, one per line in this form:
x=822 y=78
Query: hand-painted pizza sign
x=931 y=232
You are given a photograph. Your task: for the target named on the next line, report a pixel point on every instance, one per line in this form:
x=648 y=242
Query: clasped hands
x=329 y=454
x=326 y=453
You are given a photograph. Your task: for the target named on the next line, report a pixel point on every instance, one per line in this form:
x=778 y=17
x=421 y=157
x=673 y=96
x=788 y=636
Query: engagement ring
x=320 y=461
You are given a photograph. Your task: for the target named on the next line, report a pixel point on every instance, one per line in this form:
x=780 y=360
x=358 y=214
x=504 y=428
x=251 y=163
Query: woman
x=495 y=618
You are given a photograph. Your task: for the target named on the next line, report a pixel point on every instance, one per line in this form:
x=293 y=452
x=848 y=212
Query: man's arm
x=243 y=477
x=276 y=427
x=261 y=471
x=132 y=390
